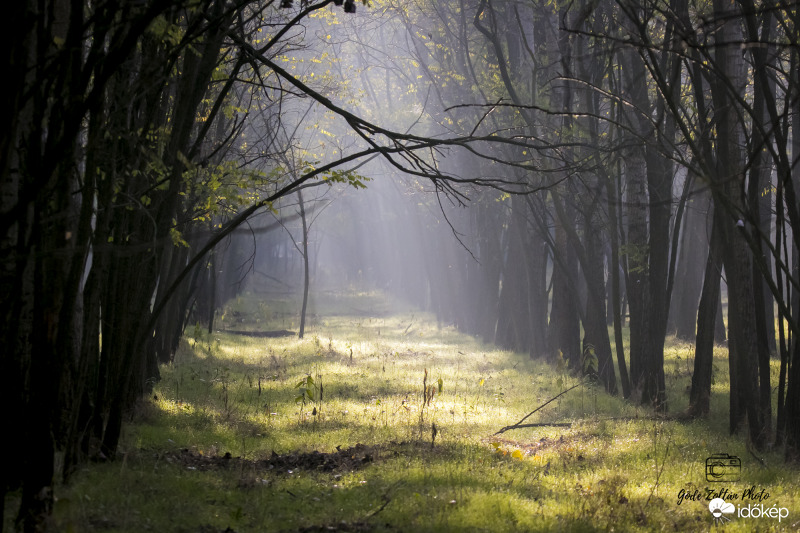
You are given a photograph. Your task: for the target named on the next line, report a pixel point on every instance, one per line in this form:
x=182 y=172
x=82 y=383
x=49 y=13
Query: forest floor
x=252 y=429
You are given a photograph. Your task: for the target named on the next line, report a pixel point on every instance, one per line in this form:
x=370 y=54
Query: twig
x=539 y=425
x=514 y=426
x=386 y=500
x=409 y=325
x=379 y=509
x=607 y=419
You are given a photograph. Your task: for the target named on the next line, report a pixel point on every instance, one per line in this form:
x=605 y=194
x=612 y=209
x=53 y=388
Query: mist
x=591 y=186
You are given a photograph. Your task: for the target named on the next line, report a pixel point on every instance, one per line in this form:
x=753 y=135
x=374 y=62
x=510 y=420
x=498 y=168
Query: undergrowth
x=228 y=440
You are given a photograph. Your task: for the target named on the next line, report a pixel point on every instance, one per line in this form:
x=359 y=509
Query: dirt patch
x=350 y=527
x=212 y=529
x=347 y=459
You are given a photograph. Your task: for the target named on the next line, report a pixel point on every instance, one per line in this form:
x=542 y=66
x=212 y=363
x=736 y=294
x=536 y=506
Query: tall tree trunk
x=212 y=290
x=305 y=264
x=727 y=189
x=700 y=393
x=514 y=322
x=536 y=258
x=792 y=404
x=758 y=184
x=564 y=330
x=595 y=329
x=614 y=268
x=694 y=239
x=648 y=242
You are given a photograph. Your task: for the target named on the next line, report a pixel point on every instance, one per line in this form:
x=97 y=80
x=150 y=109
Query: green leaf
x=177 y=238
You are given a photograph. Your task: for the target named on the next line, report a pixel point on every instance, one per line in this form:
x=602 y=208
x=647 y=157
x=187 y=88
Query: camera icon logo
x=723 y=467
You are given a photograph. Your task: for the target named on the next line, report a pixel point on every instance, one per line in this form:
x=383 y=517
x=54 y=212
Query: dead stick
x=539 y=425
x=537 y=409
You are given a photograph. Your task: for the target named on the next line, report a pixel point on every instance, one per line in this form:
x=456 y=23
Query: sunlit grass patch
x=595 y=462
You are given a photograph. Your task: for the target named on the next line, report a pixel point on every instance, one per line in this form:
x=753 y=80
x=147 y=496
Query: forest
x=365 y=242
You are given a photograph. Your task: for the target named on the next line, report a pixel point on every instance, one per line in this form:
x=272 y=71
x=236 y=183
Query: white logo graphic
x=719 y=508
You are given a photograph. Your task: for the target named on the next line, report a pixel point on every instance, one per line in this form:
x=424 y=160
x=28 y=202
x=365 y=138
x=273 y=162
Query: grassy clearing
x=613 y=469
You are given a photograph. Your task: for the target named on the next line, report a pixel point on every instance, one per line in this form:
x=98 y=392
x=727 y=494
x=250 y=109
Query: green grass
x=614 y=469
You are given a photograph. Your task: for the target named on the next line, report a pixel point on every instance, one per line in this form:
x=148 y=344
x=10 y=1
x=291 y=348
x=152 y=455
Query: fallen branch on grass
x=386 y=500
x=537 y=425
x=518 y=424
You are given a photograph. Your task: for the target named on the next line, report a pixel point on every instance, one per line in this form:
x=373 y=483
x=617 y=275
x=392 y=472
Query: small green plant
x=317 y=344
x=197 y=333
x=562 y=365
x=349 y=347
x=590 y=362
x=305 y=392
x=428 y=393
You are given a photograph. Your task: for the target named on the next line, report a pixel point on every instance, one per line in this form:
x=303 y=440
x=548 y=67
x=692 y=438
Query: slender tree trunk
x=596 y=331
x=700 y=393
x=614 y=267
x=694 y=239
x=758 y=182
x=536 y=258
x=514 y=322
x=564 y=331
x=305 y=264
x=212 y=290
